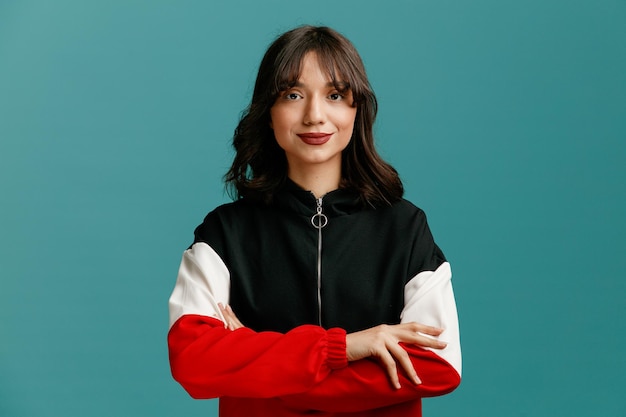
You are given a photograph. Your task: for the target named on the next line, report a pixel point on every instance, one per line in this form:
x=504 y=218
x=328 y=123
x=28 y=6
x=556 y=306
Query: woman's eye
x=335 y=96
x=292 y=96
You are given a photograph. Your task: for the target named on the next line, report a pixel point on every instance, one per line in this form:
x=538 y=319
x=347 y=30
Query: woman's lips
x=315 y=138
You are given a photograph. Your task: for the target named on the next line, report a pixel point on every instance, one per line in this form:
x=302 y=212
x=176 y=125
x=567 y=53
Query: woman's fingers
x=230 y=319
x=419 y=334
x=390 y=366
x=235 y=321
x=429 y=330
x=226 y=315
x=425 y=341
x=403 y=359
x=383 y=341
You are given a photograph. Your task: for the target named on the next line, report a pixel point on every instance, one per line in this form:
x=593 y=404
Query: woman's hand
x=382 y=342
x=231 y=320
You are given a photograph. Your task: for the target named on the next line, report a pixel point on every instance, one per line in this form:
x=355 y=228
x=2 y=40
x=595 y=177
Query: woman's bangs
x=333 y=62
x=340 y=74
x=288 y=67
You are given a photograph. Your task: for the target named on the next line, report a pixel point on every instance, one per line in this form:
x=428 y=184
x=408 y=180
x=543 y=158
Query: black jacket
x=272 y=252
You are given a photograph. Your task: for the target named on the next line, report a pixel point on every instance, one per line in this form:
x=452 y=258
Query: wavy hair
x=259 y=168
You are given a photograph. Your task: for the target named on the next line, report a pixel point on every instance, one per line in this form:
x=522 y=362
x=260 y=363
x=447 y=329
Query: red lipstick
x=315 y=138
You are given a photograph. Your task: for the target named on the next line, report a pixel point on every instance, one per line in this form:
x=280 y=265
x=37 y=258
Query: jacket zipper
x=319 y=220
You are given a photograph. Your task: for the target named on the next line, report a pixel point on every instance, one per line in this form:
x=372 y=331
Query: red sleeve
x=211 y=361
x=364 y=385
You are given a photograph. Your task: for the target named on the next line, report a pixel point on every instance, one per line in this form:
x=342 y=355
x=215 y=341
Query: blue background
x=506 y=120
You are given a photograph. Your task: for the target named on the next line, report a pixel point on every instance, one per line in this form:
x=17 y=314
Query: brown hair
x=259 y=168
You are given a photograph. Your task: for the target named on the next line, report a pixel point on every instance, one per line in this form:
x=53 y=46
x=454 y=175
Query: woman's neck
x=318 y=181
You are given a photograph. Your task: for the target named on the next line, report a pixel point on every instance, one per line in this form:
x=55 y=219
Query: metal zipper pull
x=319 y=219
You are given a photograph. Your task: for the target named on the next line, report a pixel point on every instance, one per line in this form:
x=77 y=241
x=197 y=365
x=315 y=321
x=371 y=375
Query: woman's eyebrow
x=341 y=84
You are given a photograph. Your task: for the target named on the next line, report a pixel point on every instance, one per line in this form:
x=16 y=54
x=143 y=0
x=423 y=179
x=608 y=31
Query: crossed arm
x=380 y=342
x=213 y=355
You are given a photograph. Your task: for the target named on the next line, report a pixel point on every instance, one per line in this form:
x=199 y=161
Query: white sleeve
x=203 y=282
x=429 y=299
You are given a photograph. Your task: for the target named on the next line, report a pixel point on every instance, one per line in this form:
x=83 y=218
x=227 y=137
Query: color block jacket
x=300 y=273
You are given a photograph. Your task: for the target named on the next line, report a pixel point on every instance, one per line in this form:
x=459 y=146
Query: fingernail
x=221 y=306
x=417 y=380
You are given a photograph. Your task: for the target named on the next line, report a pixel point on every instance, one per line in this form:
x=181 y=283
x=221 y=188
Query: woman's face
x=313 y=121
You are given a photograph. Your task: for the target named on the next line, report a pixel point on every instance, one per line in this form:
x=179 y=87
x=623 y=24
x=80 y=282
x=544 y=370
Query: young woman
x=319 y=265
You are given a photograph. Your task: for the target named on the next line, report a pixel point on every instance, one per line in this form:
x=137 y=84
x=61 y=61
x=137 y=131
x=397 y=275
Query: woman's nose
x=314 y=113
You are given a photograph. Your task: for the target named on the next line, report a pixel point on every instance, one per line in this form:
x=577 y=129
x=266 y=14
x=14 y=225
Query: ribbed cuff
x=337 y=357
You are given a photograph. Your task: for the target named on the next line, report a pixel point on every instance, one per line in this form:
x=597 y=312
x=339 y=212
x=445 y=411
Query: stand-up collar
x=338 y=202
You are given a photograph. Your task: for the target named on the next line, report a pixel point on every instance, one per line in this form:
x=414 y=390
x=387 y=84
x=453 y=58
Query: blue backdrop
x=506 y=120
